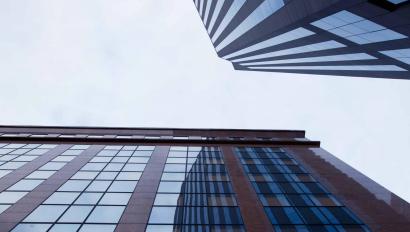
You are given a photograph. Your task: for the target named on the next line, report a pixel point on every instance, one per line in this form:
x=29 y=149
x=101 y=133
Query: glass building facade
x=165 y=180
x=368 y=38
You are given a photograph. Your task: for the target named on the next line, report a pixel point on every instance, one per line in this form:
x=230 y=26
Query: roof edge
x=147 y=128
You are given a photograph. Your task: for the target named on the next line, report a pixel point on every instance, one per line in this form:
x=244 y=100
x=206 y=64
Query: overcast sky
x=150 y=63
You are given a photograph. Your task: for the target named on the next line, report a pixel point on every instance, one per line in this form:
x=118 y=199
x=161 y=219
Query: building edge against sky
x=165 y=179
x=366 y=38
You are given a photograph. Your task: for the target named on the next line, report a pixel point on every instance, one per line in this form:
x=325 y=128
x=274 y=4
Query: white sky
x=151 y=63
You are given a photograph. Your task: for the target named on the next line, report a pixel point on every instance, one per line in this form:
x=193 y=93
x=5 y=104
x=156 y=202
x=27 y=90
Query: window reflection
x=195 y=190
x=293 y=200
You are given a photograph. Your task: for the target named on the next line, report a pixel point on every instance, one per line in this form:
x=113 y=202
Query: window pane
x=26 y=185
x=106 y=214
x=88 y=198
x=99 y=228
x=11 y=197
x=74 y=185
x=76 y=214
x=115 y=199
x=123 y=186
x=46 y=213
x=162 y=215
x=64 y=227
x=61 y=198
x=31 y=227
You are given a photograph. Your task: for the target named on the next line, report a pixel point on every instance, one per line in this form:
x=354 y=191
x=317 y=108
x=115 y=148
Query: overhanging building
x=368 y=38
x=157 y=180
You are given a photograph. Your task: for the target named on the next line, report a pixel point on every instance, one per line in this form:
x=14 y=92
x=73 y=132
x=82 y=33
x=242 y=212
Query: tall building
x=368 y=38
x=158 y=180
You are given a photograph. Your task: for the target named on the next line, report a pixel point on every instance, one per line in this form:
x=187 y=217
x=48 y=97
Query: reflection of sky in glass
x=195 y=190
x=264 y=10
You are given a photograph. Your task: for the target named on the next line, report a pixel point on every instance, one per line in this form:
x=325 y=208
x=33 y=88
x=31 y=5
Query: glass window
x=76 y=214
x=221 y=199
x=294 y=201
x=274 y=200
x=74 y=185
x=124 y=154
x=93 y=166
x=134 y=167
x=72 y=152
x=232 y=11
x=25 y=158
x=107 y=175
x=129 y=176
x=215 y=15
x=173 y=176
x=324 y=200
x=170 y=187
x=392 y=68
x=53 y=166
x=8 y=157
x=283 y=215
x=107 y=153
x=145 y=148
x=106 y=214
x=178 y=148
x=98 y=186
x=11 y=197
x=19 y=151
x=64 y=227
x=101 y=159
x=12 y=165
x=25 y=185
x=14 y=145
x=80 y=147
x=402 y=55
x=40 y=175
x=174 y=168
x=4 y=151
x=3 y=173
x=31 y=145
x=119 y=159
x=88 y=198
x=161 y=228
x=129 y=148
x=343 y=57
x=331 y=44
x=113 y=147
x=85 y=175
x=63 y=158
x=339 y=215
x=46 y=213
x=96 y=227
x=115 y=199
x=60 y=198
x=3 y=208
x=312 y=215
x=123 y=186
x=142 y=153
x=356 y=29
x=31 y=227
x=162 y=215
x=263 y=11
x=177 y=154
x=114 y=167
x=166 y=199
x=176 y=160
x=143 y=160
x=225 y=215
